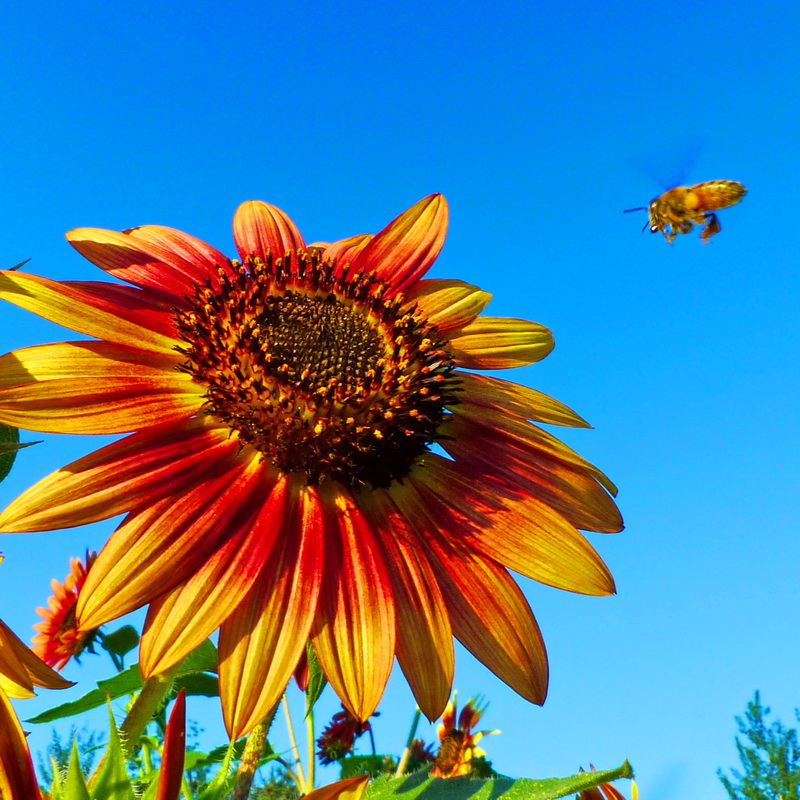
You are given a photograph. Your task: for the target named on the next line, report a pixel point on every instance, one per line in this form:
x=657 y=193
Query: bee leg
x=712 y=227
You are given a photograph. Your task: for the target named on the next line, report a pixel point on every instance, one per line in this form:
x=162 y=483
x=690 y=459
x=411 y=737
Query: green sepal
x=74 y=784
x=112 y=781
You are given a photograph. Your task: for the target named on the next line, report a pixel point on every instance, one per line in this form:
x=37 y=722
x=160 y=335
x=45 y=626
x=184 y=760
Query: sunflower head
x=458 y=743
x=312 y=457
x=59 y=637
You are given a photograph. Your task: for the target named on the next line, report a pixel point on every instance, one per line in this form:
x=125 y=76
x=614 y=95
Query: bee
x=679 y=209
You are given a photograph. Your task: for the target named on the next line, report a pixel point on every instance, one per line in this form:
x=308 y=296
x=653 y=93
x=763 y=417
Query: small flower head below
x=339 y=737
x=458 y=743
x=59 y=639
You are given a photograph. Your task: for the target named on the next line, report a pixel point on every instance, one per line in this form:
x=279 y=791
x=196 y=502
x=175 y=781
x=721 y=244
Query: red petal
x=424 y=636
x=354 y=632
x=170 y=775
x=17 y=778
x=264 y=638
x=149 y=465
x=489 y=613
x=84 y=308
x=405 y=249
x=181 y=619
x=161 y=545
x=162 y=260
x=260 y=228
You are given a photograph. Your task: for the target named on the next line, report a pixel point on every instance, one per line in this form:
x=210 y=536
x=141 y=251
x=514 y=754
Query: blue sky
x=531 y=119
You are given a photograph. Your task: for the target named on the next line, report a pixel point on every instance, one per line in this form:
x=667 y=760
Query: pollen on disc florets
x=316 y=368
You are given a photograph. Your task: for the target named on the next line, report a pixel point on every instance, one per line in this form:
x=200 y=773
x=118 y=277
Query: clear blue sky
x=529 y=118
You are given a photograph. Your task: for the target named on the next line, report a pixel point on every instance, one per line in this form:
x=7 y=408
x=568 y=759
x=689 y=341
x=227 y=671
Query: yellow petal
x=500 y=343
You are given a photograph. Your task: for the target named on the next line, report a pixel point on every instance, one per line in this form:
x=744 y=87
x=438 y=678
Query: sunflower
x=310 y=458
x=58 y=638
x=458 y=743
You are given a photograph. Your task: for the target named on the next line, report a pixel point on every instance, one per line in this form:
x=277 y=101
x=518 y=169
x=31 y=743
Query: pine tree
x=770 y=757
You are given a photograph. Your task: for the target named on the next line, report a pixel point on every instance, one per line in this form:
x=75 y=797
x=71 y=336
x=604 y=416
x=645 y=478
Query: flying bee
x=679 y=209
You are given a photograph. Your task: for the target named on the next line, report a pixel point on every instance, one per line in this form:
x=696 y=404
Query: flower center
x=318 y=369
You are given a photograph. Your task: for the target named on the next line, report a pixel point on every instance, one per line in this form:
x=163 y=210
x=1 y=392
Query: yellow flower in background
x=59 y=639
x=278 y=479
x=458 y=742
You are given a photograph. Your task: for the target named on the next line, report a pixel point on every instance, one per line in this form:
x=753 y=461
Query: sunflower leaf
x=316 y=679
x=9 y=444
x=202 y=684
x=414 y=785
x=121 y=641
x=128 y=681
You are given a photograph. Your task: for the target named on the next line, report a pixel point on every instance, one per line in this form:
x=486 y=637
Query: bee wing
x=670 y=164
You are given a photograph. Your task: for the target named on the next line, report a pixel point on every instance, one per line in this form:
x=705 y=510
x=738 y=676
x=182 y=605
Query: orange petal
x=260 y=228
x=146 y=466
x=161 y=545
x=191 y=256
x=170 y=775
x=17 y=778
x=345 y=789
x=424 y=636
x=500 y=343
x=515 y=529
x=153 y=257
x=132 y=304
x=447 y=303
x=86 y=311
x=497 y=425
x=181 y=619
x=498 y=460
x=345 y=251
x=21 y=669
x=354 y=631
x=521 y=401
x=492 y=619
x=489 y=613
x=115 y=406
x=405 y=249
x=262 y=641
x=93 y=387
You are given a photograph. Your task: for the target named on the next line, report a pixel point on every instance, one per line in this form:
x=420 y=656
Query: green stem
x=302 y=786
x=401 y=767
x=311 y=745
x=248 y=764
x=144 y=708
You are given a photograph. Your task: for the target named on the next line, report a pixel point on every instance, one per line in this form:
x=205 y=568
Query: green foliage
x=369 y=764
x=9 y=445
x=59 y=753
x=770 y=757
x=410 y=787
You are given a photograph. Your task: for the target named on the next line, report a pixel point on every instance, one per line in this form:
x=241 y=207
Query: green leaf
x=128 y=681
x=223 y=781
x=9 y=444
x=410 y=787
x=368 y=764
x=202 y=684
x=316 y=679
x=17 y=266
x=74 y=785
x=201 y=659
x=121 y=641
x=112 y=781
